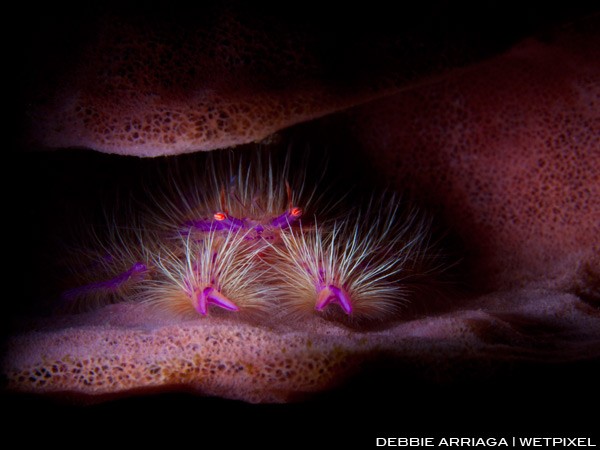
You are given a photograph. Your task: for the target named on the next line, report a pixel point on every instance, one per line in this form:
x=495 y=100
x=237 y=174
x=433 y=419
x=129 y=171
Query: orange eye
x=296 y=212
x=220 y=216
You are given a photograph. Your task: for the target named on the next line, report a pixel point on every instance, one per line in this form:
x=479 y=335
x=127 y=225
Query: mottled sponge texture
x=506 y=152
x=221 y=76
x=123 y=349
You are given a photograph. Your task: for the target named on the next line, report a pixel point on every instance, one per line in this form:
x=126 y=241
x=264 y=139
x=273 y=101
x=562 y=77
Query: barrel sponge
x=157 y=84
x=147 y=87
x=508 y=150
x=103 y=358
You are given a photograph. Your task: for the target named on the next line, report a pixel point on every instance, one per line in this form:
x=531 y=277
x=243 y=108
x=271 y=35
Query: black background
x=523 y=399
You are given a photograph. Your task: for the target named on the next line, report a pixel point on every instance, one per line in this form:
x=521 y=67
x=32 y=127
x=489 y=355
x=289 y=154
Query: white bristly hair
x=367 y=258
x=224 y=261
x=245 y=185
x=107 y=266
x=228 y=238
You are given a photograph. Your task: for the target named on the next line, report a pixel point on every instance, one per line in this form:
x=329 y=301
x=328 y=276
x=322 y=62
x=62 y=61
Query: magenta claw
x=333 y=294
x=210 y=296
